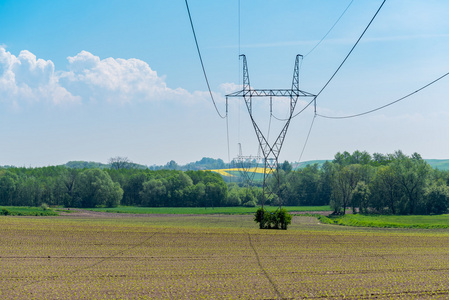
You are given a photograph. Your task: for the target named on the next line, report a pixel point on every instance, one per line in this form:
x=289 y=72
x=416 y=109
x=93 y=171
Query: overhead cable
x=330 y=29
x=313 y=100
x=353 y=47
x=202 y=64
x=307 y=139
x=227 y=131
x=344 y=60
x=386 y=105
x=308 y=104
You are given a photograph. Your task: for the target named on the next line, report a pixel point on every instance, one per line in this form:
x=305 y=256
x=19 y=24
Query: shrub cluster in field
x=279 y=219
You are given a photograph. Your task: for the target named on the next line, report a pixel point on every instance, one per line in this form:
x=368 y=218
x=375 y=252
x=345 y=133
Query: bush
x=44 y=206
x=280 y=219
x=5 y=212
x=324 y=219
x=250 y=203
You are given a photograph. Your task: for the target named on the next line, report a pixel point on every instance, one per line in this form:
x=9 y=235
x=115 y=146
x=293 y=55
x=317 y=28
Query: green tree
x=8 y=187
x=342 y=159
x=247 y=197
x=436 y=198
x=172 y=165
x=215 y=194
x=133 y=188
x=153 y=193
x=309 y=185
x=280 y=219
x=345 y=179
x=200 y=194
x=120 y=162
x=380 y=159
x=286 y=167
x=412 y=173
x=360 y=157
x=360 y=197
x=233 y=198
x=385 y=190
x=96 y=188
x=29 y=192
x=176 y=185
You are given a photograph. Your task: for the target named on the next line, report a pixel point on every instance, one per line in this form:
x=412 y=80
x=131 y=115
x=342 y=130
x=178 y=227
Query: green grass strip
x=26 y=211
x=392 y=221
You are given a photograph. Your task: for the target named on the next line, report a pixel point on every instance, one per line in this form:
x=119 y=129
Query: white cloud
x=116 y=80
x=230 y=87
x=25 y=79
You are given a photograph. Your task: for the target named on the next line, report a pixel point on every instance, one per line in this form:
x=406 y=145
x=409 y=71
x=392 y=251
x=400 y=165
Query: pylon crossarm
x=270 y=93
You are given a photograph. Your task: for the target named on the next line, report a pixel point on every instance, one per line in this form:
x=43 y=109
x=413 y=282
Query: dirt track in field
x=324 y=213
x=77 y=212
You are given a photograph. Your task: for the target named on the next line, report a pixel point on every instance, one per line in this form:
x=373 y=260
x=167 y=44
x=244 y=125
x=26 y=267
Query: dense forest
x=381 y=184
x=110 y=187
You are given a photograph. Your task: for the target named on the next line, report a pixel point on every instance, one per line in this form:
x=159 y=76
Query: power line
x=344 y=60
x=307 y=138
x=353 y=47
x=207 y=82
x=239 y=30
x=314 y=99
x=201 y=60
x=308 y=104
x=386 y=105
x=239 y=27
x=227 y=131
x=330 y=29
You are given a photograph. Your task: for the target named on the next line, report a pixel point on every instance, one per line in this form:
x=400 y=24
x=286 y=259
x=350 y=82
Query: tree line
x=110 y=187
x=382 y=184
x=379 y=184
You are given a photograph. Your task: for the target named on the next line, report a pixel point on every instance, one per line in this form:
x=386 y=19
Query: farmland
x=89 y=256
x=236 y=172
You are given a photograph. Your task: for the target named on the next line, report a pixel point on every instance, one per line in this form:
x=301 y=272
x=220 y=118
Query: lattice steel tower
x=247 y=166
x=271 y=151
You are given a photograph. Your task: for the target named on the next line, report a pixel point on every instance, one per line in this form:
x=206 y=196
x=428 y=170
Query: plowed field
x=214 y=257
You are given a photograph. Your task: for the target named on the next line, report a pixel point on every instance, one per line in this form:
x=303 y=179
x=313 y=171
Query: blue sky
x=89 y=80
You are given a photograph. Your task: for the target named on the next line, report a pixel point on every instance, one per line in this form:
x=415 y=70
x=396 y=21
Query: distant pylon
x=245 y=164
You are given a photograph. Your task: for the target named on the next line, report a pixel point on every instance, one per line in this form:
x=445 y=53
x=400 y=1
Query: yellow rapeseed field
x=225 y=172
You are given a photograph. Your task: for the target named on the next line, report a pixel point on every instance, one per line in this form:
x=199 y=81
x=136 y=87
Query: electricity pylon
x=245 y=164
x=271 y=151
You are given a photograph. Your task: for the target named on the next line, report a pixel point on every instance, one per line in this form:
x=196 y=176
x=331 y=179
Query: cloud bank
x=27 y=79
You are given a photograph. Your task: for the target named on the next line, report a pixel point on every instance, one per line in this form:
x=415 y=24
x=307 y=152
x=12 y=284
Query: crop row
x=141 y=258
